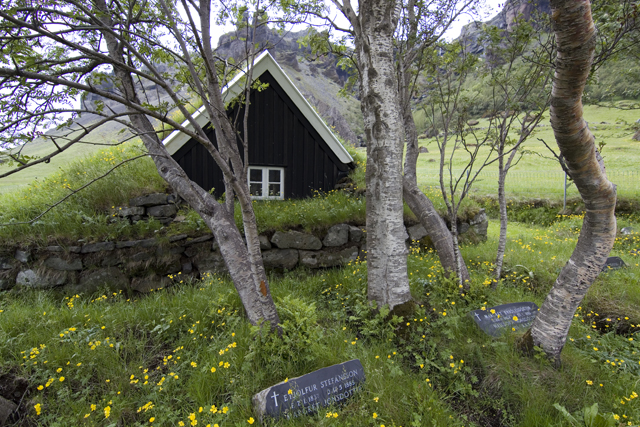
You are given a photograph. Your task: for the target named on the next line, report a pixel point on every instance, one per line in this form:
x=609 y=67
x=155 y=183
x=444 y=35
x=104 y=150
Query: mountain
x=505 y=19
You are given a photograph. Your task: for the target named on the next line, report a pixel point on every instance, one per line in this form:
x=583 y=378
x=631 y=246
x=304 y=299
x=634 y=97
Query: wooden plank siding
x=279 y=135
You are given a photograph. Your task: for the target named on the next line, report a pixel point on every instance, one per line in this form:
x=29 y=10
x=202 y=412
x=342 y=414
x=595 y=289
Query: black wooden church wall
x=279 y=136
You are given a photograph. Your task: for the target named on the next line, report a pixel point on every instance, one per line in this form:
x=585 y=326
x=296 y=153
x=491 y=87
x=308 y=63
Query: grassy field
x=187 y=355
x=538 y=175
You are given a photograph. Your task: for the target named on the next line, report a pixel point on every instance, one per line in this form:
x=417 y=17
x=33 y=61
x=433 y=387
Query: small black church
x=292 y=152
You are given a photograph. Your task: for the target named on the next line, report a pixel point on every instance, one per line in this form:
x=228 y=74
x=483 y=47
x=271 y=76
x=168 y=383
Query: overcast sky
x=491 y=8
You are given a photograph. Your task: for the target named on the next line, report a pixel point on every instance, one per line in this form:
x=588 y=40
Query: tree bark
x=374 y=27
x=575 y=39
x=244 y=266
x=422 y=207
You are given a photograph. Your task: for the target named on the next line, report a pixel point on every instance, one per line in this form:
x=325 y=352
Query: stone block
x=98 y=247
x=5 y=264
x=265 y=244
x=93 y=280
x=162 y=211
x=211 y=262
x=111 y=260
x=140 y=257
x=356 y=234
x=177 y=238
x=197 y=240
x=416 y=232
x=286 y=259
x=40 y=279
x=60 y=264
x=149 y=200
x=480 y=224
x=24 y=256
x=55 y=249
x=130 y=211
x=321 y=259
x=6 y=409
x=463 y=228
x=194 y=250
x=296 y=240
x=337 y=235
x=149 y=283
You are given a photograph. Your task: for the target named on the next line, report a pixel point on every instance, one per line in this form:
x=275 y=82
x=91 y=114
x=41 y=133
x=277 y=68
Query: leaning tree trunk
x=253 y=289
x=422 y=207
x=386 y=250
x=575 y=38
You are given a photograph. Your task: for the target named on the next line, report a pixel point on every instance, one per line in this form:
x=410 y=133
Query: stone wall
x=144 y=265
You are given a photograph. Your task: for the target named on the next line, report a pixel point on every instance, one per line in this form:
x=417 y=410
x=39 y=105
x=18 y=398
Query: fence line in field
x=538 y=183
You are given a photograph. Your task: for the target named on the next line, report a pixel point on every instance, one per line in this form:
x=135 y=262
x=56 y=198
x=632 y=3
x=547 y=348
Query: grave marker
x=613 y=263
x=305 y=395
x=495 y=320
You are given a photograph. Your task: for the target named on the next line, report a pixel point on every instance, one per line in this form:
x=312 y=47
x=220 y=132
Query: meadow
x=187 y=356
x=538 y=174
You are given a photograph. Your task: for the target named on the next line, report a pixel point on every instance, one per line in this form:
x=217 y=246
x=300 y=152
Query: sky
x=491 y=8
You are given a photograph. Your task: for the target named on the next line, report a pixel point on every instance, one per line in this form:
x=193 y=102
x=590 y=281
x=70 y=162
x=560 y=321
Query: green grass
x=114 y=350
x=538 y=175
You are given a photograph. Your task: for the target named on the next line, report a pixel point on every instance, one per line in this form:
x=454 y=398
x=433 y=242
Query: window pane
x=255 y=175
x=255 y=189
x=274 y=175
x=274 y=189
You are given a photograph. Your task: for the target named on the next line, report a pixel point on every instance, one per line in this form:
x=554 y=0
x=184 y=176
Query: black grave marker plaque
x=613 y=263
x=303 y=395
x=495 y=320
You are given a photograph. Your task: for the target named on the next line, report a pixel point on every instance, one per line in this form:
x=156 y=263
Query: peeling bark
x=374 y=27
x=575 y=39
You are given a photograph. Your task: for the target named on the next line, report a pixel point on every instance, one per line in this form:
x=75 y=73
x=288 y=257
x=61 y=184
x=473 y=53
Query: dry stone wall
x=144 y=265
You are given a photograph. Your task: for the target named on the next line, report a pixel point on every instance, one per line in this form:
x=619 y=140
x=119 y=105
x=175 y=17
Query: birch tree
x=422 y=24
x=51 y=51
x=372 y=27
x=575 y=41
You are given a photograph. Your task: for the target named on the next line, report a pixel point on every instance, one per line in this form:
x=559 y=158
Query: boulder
x=318 y=259
x=98 y=247
x=149 y=200
x=40 y=279
x=296 y=240
x=92 y=280
x=337 y=235
x=473 y=122
x=286 y=259
x=416 y=232
x=162 y=211
x=177 y=238
x=423 y=150
x=60 y=264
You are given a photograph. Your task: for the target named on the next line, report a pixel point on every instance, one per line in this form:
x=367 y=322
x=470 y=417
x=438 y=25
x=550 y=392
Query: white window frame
x=265 y=182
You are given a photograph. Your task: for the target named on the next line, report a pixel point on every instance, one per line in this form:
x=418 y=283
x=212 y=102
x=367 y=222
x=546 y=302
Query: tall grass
x=84 y=214
x=157 y=359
